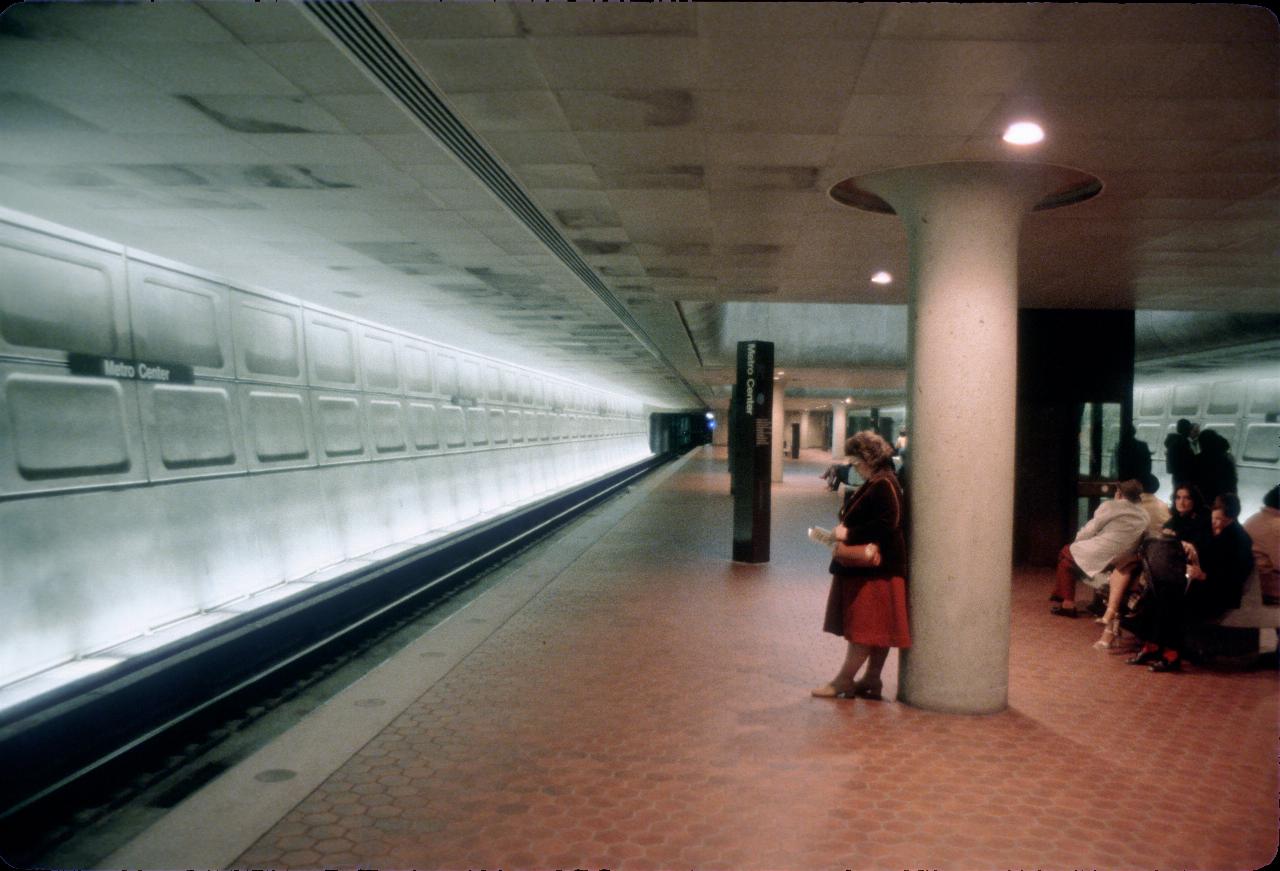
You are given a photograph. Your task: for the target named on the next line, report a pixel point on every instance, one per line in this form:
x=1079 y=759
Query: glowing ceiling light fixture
x=881 y=277
x=1024 y=133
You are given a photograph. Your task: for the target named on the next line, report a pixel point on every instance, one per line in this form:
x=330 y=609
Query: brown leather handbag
x=857 y=556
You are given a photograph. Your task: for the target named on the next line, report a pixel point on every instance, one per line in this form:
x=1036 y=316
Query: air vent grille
x=353 y=29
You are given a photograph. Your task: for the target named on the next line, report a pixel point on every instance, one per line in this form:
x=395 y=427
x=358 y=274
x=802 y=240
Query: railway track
x=105 y=758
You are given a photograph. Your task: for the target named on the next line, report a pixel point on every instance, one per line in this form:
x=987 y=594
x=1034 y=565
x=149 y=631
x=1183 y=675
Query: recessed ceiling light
x=881 y=277
x=1024 y=133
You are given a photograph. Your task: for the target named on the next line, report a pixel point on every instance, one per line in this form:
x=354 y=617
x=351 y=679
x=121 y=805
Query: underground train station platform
x=627 y=697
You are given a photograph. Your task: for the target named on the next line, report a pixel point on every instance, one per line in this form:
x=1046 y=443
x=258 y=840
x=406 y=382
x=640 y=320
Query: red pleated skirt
x=868 y=610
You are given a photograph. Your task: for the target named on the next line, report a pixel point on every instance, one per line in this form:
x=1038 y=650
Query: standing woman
x=867 y=605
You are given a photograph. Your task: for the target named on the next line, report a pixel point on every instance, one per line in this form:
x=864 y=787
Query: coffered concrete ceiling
x=683 y=153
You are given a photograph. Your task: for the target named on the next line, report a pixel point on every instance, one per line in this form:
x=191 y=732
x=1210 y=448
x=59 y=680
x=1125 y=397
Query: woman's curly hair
x=869 y=447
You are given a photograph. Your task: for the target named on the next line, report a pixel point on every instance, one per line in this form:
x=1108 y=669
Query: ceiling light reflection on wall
x=881 y=277
x=1023 y=133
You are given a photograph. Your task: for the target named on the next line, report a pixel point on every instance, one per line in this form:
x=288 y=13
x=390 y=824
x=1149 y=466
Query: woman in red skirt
x=868 y=604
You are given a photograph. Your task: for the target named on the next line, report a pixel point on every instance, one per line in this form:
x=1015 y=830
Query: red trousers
x=1068 y=573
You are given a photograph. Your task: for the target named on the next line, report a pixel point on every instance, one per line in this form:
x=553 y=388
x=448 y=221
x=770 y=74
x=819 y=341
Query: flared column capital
x=1025 y=185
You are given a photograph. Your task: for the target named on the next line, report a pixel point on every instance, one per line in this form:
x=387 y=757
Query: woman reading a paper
x=867 y=605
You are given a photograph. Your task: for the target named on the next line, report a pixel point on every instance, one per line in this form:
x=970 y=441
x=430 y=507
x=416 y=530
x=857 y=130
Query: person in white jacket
x=1115 y=529
x=1264 y=529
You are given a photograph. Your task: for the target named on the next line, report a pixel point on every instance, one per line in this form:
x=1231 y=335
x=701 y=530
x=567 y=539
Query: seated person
x=1216 y=571
x=1158 y=512
x=1264 y=529
x=1128 y=566
x=1114 y=530
x=836 y=474
x=1190 y=518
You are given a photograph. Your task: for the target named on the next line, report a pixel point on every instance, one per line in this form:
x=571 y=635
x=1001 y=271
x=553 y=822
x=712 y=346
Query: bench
x=1253 y=613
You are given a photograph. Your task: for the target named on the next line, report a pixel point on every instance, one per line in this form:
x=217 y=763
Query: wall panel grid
x=275 y=384
x=291 y=441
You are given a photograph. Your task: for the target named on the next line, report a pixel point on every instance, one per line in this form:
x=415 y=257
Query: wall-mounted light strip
x=353 y=29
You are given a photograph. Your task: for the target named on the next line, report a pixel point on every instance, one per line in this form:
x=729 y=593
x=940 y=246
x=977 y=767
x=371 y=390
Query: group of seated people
x=1197 y=559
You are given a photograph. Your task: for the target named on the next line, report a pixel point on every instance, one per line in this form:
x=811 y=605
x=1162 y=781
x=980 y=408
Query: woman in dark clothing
x=867 y=605
x=1189 y=518
x=1158 y=621
x=1214 y=469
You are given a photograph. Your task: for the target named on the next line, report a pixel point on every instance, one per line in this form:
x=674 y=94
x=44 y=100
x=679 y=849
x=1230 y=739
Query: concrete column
x=962 y=225
x=780 y=432
x=720 y=437
x=839 y=421
x=806 y=427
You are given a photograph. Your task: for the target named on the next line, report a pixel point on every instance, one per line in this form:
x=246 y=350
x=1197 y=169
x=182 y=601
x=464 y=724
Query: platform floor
x=632 y=699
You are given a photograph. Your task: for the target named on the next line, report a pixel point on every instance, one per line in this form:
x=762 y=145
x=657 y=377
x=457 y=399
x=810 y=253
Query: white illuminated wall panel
x=191 y=429
x=381 y=374
x=267 y=335
x=331 y=351
x=45 y=278
x=180 y=318
x=386 y=426
x=277 y=423
x=59 y=431
x=477 y=427
x=339 y=427
x=424 y=434
x=453 y=426
x=416 y=360
x=446 y=375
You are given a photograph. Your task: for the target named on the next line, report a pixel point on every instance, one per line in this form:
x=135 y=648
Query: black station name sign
x=130 y=370
x=751 y=441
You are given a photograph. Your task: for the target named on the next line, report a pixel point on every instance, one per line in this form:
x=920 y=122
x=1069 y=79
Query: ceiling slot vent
x=352 y=28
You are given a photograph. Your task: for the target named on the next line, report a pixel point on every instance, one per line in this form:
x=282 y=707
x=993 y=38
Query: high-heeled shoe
x=869 y=690
x=1110 y=639
x=831 y=691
